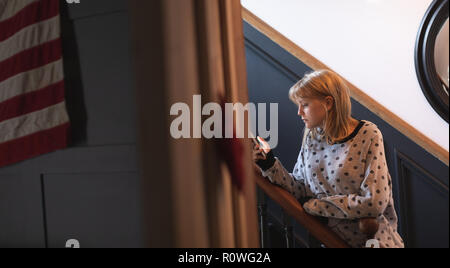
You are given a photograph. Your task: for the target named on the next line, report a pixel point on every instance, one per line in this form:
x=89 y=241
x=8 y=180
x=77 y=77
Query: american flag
x=33 y=116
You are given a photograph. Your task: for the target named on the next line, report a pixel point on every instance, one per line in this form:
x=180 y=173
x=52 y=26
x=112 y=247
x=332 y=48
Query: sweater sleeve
x=374 y=193
x=294 y=182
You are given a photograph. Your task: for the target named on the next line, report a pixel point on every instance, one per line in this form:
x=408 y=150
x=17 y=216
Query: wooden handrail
x=293 y=208
x=368 y=226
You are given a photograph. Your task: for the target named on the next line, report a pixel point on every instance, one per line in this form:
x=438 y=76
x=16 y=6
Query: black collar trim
x=351 y=136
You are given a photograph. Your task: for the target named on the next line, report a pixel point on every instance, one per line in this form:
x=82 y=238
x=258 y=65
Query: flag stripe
x=31 y=59
x=32 y=80
x=35 y=144
x=29 y=37
x=8 y=10
x=33 y=115
x=31 y=102
x=34 y=122
x=33 y=13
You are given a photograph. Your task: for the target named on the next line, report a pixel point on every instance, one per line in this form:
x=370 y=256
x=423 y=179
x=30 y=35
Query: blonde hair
x=319 y=85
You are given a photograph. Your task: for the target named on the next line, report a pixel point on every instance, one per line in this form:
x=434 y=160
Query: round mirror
x=441 y=51
x=432 y=56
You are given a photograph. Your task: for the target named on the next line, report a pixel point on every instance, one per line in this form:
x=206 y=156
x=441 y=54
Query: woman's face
x=312 y=112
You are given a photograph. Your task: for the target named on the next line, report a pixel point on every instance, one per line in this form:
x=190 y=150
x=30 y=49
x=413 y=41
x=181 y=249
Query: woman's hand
x=260 y=151
x=262 y=155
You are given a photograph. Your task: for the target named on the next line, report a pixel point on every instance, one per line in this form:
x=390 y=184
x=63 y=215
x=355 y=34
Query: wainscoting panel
x=97 y=209
x=21 y=213
x=424 y=205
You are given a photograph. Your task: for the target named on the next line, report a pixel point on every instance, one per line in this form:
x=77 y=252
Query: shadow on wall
x=76 y=107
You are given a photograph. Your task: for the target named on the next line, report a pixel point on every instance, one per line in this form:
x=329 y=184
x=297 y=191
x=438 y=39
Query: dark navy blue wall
x=420 y=180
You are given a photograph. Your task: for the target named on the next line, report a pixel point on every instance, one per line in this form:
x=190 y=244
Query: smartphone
x=256 y=142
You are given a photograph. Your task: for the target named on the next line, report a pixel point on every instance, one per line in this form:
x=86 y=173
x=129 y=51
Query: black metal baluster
x=287 y=229
x=262 y=214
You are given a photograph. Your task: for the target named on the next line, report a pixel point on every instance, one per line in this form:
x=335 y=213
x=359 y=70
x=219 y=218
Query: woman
x=341 y=168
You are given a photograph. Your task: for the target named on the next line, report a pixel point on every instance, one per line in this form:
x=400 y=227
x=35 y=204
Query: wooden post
x=184 y=48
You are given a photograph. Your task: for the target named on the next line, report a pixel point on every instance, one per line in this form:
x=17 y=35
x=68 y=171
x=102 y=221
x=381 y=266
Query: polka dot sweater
x=344 y=182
